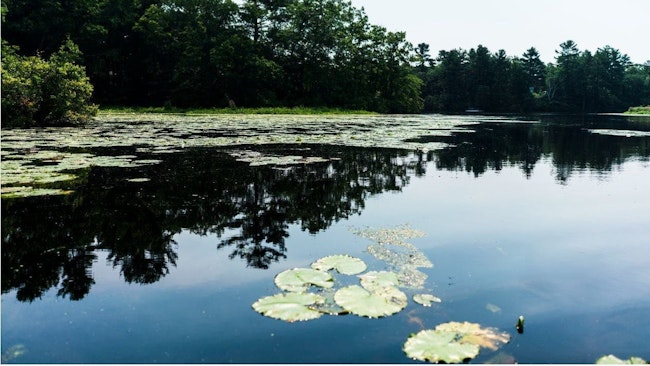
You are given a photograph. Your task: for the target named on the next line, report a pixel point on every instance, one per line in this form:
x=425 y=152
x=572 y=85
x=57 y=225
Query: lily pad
x=344 y=264
x=289 y=307
x=473 y=333
x=377 y=279
x=439 y=346
x=375 y=304
x=613 y=360
x=138 y=180
x=425 y=299
x=24 y=191
x=300 y=279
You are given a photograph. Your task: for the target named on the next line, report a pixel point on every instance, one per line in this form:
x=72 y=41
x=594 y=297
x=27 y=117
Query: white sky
x=516 y=25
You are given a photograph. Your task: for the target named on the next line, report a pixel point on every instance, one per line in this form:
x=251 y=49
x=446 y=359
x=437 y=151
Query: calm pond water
x=546 y=217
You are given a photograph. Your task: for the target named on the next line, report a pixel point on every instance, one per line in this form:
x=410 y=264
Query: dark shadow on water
x=50 y=242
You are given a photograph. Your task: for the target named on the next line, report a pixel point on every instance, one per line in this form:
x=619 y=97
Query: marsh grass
x=211 y=111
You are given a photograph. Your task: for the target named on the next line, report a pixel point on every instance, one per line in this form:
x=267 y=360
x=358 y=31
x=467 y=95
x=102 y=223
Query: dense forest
x=313 y=53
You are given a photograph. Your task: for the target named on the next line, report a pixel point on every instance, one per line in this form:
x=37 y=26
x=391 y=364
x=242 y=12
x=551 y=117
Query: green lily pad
x=289 y=307
x=377 y=279
x=344 y=264
x=473 y=333
x=613 y=360
x=425 y=299
x=300 y=279
x=439 y=346
x=375 y=304
x=25 y=191
x=138 y=180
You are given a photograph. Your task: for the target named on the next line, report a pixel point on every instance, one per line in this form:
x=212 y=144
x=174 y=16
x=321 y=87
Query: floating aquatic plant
x=373 y=304
x=378 y=279
x=343 y=264
x=402 y=257
x=613 y=360
x=621 y=133
x=425 y=299
x=290 y=307
x=473 y=333
x=300 y=279
x=439 y=346
x=27 y=191
x=46 y=155
x=453 y=342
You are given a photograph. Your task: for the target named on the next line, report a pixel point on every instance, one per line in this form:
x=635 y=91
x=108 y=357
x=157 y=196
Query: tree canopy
x=312 y=53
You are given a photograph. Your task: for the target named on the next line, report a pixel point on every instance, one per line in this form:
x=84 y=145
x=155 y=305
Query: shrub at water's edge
x=639 y=110
x=38 y=92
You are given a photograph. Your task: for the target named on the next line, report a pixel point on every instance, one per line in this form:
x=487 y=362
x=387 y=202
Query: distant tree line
x=313 y=53
x=578 y=82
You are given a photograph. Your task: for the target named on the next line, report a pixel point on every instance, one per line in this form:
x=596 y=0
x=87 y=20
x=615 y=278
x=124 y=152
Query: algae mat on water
x=48 y=160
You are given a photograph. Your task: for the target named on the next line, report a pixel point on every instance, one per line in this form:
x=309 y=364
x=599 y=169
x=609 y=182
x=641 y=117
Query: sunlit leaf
x=613 y=360
x=439 y=346
x=378 y=279
x=425 y=299
x=289 y=307
x=473 y=333
x=372 y=304
x=344 y=264
x=300 y=279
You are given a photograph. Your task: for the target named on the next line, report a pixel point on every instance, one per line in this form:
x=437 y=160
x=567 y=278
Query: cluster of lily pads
x=46 y=161
x=377 y=295
x=37 y=172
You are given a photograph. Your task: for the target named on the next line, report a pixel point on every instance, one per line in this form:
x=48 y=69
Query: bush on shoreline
x=38 y=92
x=639 y=110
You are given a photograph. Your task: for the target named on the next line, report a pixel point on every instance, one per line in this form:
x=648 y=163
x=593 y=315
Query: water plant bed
x=327 y=239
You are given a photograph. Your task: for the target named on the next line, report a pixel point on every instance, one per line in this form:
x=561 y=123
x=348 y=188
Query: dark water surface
x=548 y=219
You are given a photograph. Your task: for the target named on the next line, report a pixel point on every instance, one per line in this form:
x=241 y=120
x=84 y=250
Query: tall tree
x=571 y=77
x=534 y=69
x=423 y=57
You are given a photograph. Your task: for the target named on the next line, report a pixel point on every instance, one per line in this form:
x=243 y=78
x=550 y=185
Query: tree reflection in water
x=51 y=242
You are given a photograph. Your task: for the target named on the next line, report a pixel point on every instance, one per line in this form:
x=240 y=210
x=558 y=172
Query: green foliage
x=228 y=54
x=577 y=82
x=639 y=110
x=36 y=92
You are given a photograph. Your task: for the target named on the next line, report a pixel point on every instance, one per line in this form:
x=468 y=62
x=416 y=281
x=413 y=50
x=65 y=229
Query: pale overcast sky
x=516 y=25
